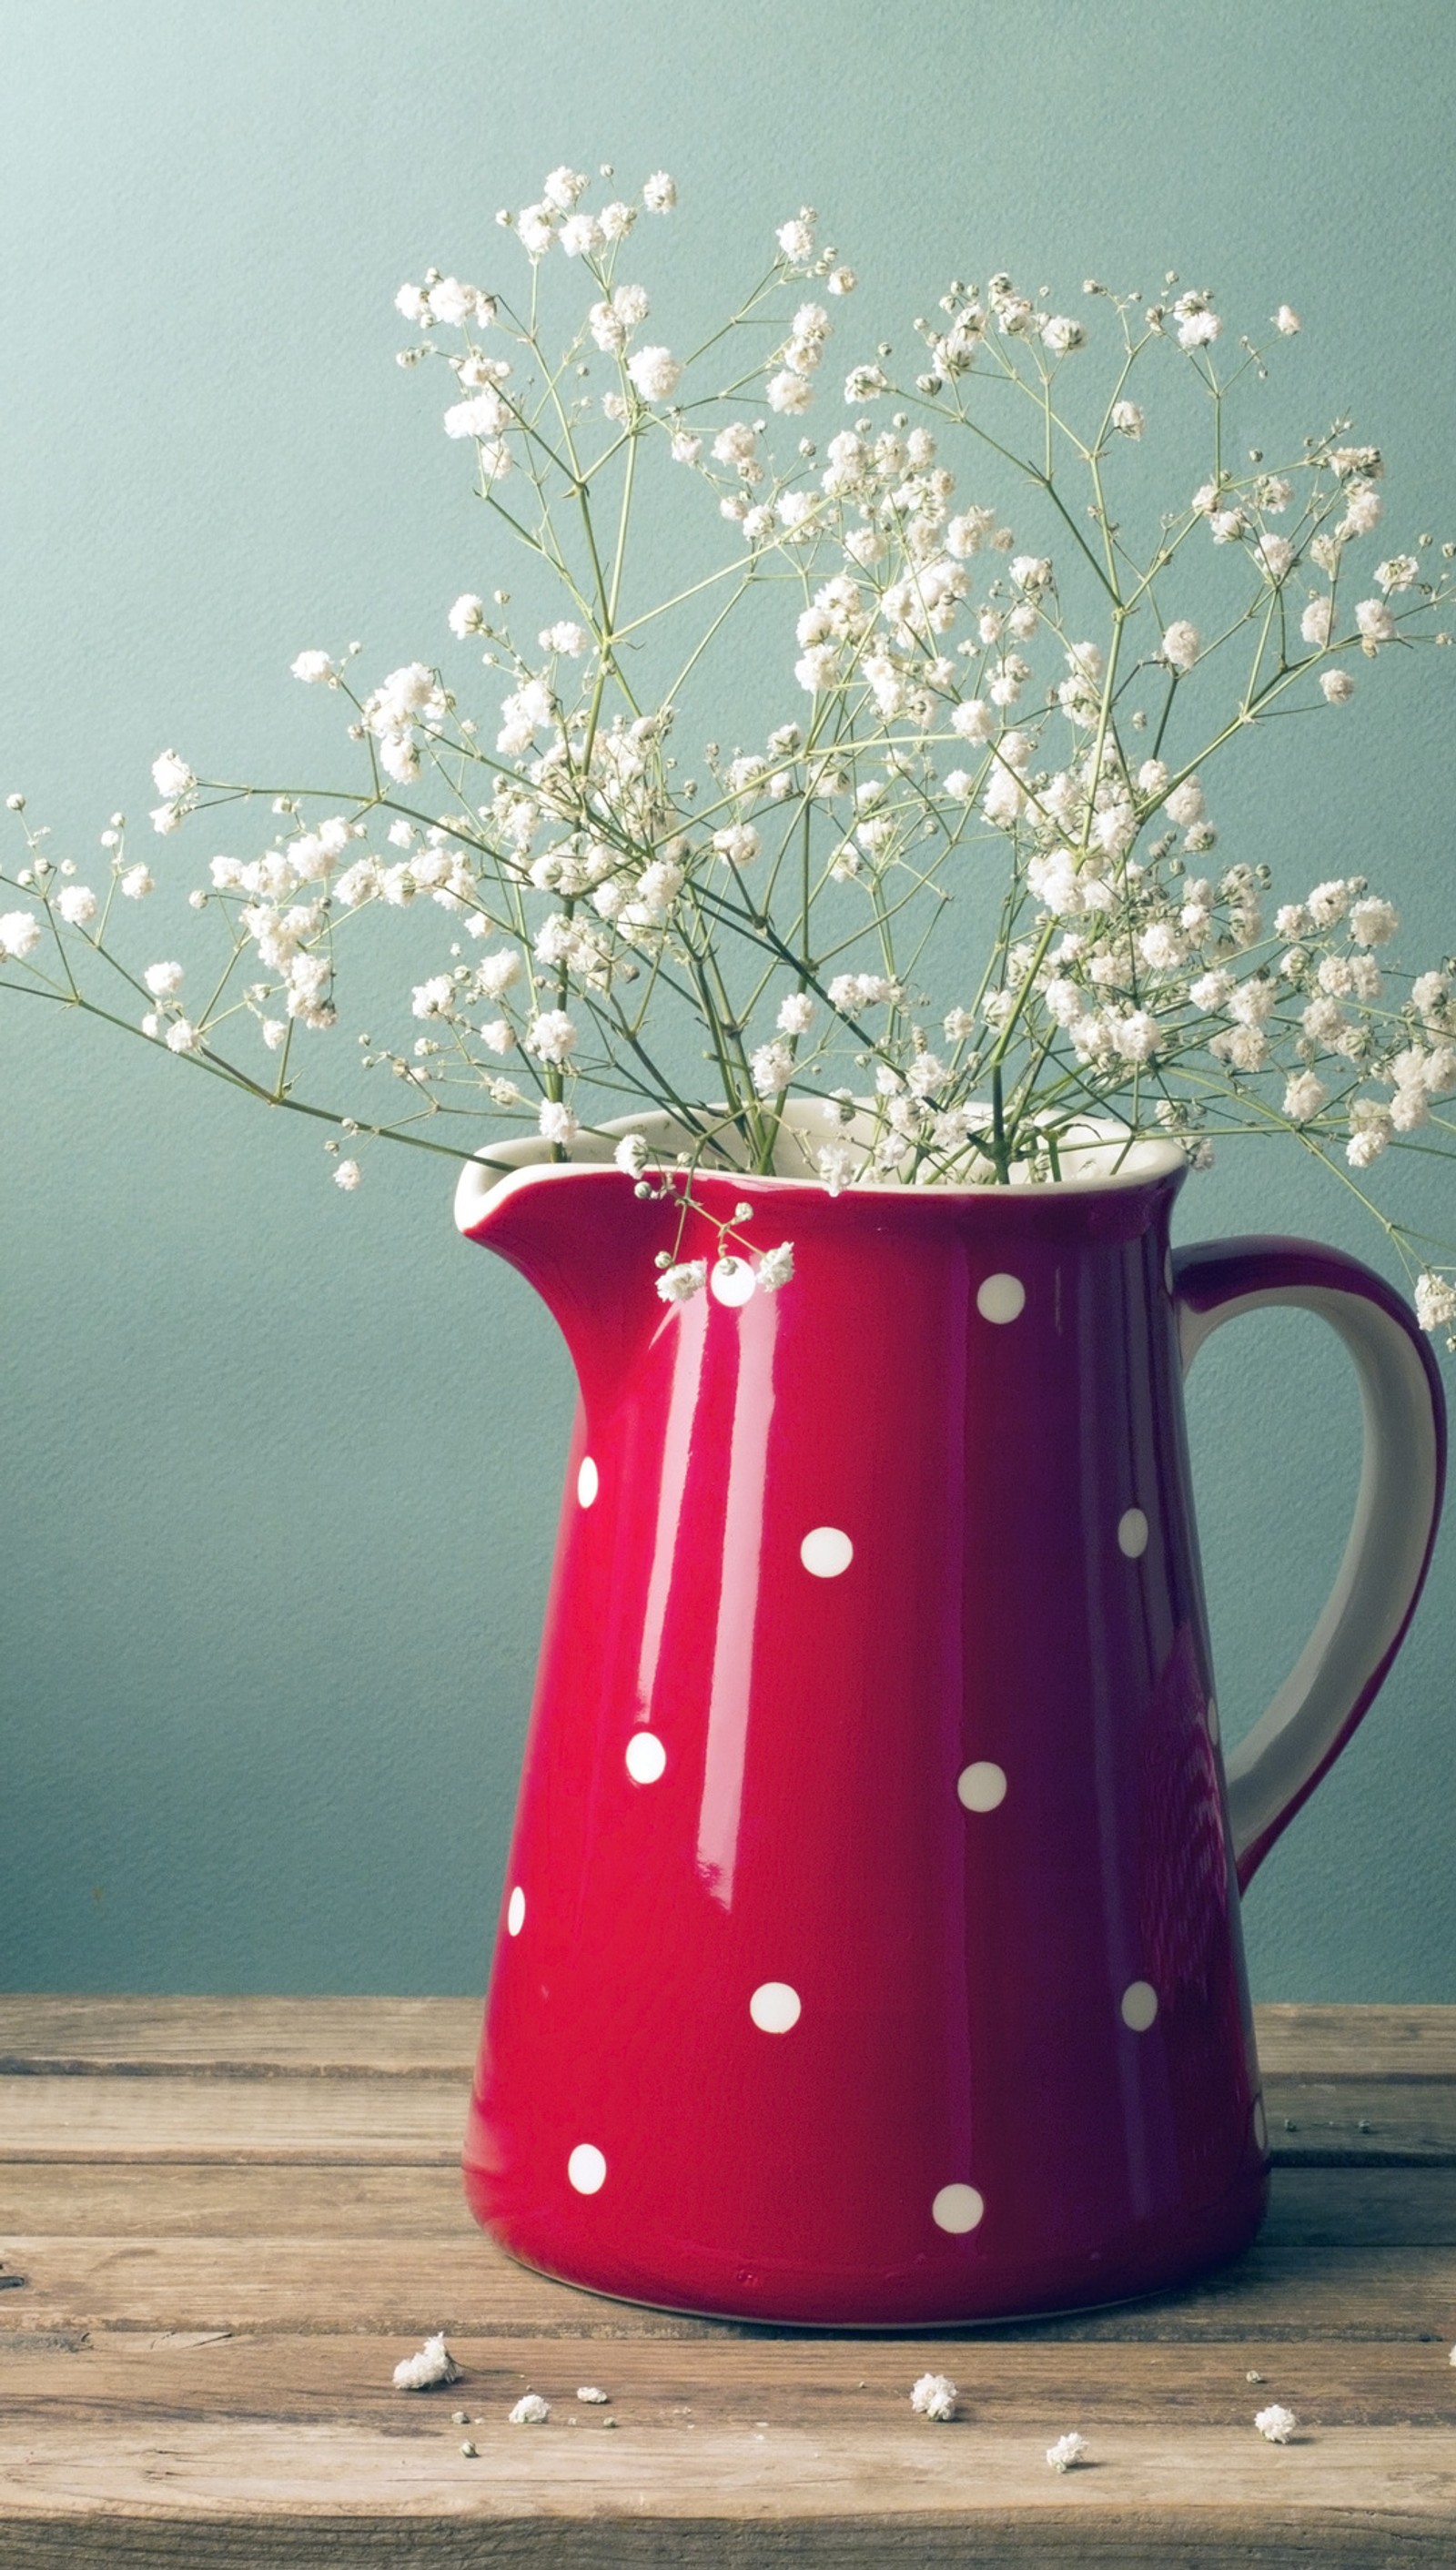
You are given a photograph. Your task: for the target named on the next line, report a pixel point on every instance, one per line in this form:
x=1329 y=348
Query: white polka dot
x=1131 y=1533
x=646 y=1758
x=827 y=1551
x=588 y=1482
x=982 y=1785
x=516 y=1912
x=1140 y=2005
x=1000 y=1298
x=1260 y=2125
x=774 y=2007
x=957 y=2207
x=1212 y=1722
x=733 y=1280
x=586 y=2168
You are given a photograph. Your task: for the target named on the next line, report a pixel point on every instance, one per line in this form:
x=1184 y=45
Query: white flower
x=1197 y=330
x=865 y=384
x=842 y=280
x=789 y=393
x=498 y=1036
x=1061 y=334
x=562 y=187
x=20 y=935
x=484 y=414
x=686 y=446
x=1277 y=555
x=1371 y=1126
x=432 y=998
x=679 y=1284
x=1067 y=2452
x=1181 y=645
x=580 y=234
x=77 y=905
x=660 y=193
x=1316 y=622
x=1128 y=419
x=1435 y=1306
x=1032 y=571
x=1329 y=903
x=569 y=640
x=315 y=669
x=796 y=1014
x=467 y=616
x=182 y=1037
x=1185 y=804
x=775 y=1267
x=797 y=238
x=654 y=373
x=1161 y=946
x=771 y=1067
x=1398 y=573
x=347 y=1176
x=137 y=882
x=557 y=1122
x=530 y=2411
x=552 y=1035
x=1287 y=321
x=1364 y=510
x=736 y=844
x=164 y=981
x=1304 y=1097
x=434 y=2364
x=1375 y=620
x=172 y=775
x=1373 y=922
x=1275 y=2424
x=631 y=1157
x=973 y=721
x=1137 y=1037
x=933 y=2397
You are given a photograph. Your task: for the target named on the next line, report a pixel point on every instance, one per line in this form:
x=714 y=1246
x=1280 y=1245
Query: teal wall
x=279 y=1468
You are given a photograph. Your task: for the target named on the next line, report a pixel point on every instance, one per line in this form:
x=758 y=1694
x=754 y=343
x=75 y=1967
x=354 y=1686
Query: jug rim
x=1121 y=1161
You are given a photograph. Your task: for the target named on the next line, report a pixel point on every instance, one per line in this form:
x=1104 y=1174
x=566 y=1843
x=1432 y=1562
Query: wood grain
x=234 y=2217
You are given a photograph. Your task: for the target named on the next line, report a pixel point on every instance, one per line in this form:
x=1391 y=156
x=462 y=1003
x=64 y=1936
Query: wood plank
x=400 y=2038
x=253 y=2200
x=1177 y=2538
x=1311 y=2207
x=1354 y=2042
x=384 y=2037
x=285 y=2118
x=281 y=2118
x=410 y=2286
x=1031 y=2385
x=793 y=2475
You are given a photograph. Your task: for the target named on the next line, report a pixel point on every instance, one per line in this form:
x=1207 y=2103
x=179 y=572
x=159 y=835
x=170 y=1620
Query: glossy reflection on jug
x=870 y=1950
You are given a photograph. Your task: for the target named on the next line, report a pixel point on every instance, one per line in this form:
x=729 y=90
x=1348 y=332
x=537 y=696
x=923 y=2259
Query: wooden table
x=223 y=2221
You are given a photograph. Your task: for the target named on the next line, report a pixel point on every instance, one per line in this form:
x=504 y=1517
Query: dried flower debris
x=530 y=2411
x=1068 y=2452
x=933 y=2397
x=1275 y=2424
x=434 y=2364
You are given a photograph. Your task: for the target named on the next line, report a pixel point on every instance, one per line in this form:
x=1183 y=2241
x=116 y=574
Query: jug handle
x=1341 y=1671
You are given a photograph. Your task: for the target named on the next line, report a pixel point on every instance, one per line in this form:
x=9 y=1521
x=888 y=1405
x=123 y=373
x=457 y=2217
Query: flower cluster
x=998 y=670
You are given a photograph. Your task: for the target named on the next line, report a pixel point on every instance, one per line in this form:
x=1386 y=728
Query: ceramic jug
x=871 y=1946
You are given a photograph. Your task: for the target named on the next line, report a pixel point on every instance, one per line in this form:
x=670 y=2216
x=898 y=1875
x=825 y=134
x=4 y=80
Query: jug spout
x=581 y=1235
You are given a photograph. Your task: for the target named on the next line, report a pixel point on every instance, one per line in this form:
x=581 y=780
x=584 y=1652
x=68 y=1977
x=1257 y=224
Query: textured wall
x=279 y=1468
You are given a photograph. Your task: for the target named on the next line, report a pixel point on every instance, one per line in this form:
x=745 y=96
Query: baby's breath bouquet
x=962 y=900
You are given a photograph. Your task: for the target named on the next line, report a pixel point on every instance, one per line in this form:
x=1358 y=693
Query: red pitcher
x=870 y=1951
